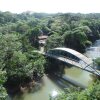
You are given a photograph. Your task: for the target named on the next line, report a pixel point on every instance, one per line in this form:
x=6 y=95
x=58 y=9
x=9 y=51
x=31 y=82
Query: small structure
x=42 y=40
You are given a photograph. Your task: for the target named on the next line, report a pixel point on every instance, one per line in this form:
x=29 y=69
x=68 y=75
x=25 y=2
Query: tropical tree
x=8 y=44
x=34 y=36
x=3 y=93
x=76 y=39
x=22 y=28
x=91 y=93
x=54 y=41
x=97 y=61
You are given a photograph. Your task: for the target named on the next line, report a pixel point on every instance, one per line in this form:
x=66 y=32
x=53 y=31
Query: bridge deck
x=77 y=54
x=86 y=67
x=77 y=64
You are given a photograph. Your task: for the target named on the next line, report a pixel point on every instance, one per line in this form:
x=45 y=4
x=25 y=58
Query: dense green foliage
x=76 y=30
x=17 y=57
x=3 y=93
x=91 y=93
x=83 y=29
x=54 y=41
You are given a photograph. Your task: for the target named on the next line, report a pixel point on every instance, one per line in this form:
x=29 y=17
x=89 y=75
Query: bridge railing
x=64 y=58
x=85 y=67
x=93 y=69
x=78 y=61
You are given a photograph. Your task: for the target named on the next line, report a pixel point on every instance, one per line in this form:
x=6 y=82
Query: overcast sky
x=51 y=6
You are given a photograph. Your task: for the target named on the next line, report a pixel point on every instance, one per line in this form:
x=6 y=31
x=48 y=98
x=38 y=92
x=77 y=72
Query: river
x=52 y=86
x=94 y=51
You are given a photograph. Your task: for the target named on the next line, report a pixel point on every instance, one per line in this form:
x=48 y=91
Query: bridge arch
x=72 y=57
x=69 y=53
x=63 y=54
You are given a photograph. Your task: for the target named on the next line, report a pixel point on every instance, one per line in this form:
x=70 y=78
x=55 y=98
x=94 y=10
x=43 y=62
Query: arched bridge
x=72 y=57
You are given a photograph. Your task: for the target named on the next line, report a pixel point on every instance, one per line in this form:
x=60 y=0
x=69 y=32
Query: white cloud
x=50 y=6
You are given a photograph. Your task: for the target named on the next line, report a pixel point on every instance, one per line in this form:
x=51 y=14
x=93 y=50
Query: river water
x=94 y=51
x=52 y=87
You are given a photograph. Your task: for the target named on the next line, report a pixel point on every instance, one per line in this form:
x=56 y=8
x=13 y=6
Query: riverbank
x=16 y=85
x=47 y=88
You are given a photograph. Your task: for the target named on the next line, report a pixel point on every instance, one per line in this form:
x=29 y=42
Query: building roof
x=42 y=37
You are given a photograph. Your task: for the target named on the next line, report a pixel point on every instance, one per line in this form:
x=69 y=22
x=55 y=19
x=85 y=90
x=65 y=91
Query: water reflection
x=79 y=75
